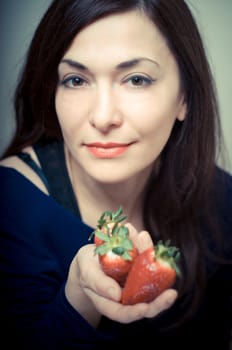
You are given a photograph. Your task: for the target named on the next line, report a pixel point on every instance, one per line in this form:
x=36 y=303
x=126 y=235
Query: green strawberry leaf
x=102 y=236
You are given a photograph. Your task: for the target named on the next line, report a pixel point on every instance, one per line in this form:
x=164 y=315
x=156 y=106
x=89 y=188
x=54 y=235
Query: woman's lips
x=107 y=150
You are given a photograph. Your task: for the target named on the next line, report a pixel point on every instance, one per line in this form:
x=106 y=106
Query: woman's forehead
x=120 y=37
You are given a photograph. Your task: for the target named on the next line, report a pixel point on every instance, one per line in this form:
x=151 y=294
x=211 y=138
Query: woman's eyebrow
x=134 y=62
x=121 y=66
x=74 y=64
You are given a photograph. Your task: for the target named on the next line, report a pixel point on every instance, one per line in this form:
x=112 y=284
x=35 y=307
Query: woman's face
x=118 y=97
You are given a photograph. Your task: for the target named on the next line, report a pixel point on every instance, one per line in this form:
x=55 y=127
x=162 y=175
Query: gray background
x=18 y=20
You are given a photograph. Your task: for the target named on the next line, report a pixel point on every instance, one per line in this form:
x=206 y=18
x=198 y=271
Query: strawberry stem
x=113 y=234
x=170 y=254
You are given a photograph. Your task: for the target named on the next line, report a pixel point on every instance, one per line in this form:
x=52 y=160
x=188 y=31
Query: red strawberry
x=115 y=250
x=153 y=271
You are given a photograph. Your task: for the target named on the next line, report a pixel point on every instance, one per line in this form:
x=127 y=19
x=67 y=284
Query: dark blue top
x=38 y=241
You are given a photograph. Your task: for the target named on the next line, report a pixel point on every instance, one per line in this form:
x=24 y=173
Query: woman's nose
x=105 y=113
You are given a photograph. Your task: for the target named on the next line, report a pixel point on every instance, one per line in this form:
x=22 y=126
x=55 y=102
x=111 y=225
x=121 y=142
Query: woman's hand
x=92 y=293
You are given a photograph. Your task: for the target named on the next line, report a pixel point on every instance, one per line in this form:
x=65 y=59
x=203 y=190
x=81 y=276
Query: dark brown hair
x=180 y=193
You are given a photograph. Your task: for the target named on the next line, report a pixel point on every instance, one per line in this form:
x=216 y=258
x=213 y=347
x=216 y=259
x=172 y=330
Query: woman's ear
x=182 y=112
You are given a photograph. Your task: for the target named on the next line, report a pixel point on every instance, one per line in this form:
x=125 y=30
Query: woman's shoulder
x=14 y=162
x=223 y=184
x=222 y=187
x=222 y=199
x=223 y=173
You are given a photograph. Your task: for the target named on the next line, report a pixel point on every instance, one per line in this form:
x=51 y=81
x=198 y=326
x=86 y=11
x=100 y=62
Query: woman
x=115 y=107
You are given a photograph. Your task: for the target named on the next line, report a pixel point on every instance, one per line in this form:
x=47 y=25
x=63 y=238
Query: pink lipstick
x=107 y=150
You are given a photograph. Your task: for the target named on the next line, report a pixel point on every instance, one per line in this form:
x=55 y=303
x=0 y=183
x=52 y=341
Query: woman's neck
x=94 y=198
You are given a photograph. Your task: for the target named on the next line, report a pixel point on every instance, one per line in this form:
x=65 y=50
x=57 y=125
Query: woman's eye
x=139 y=81
x=73 y=82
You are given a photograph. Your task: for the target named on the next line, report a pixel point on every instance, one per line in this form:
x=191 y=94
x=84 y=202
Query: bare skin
x=93 y=294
